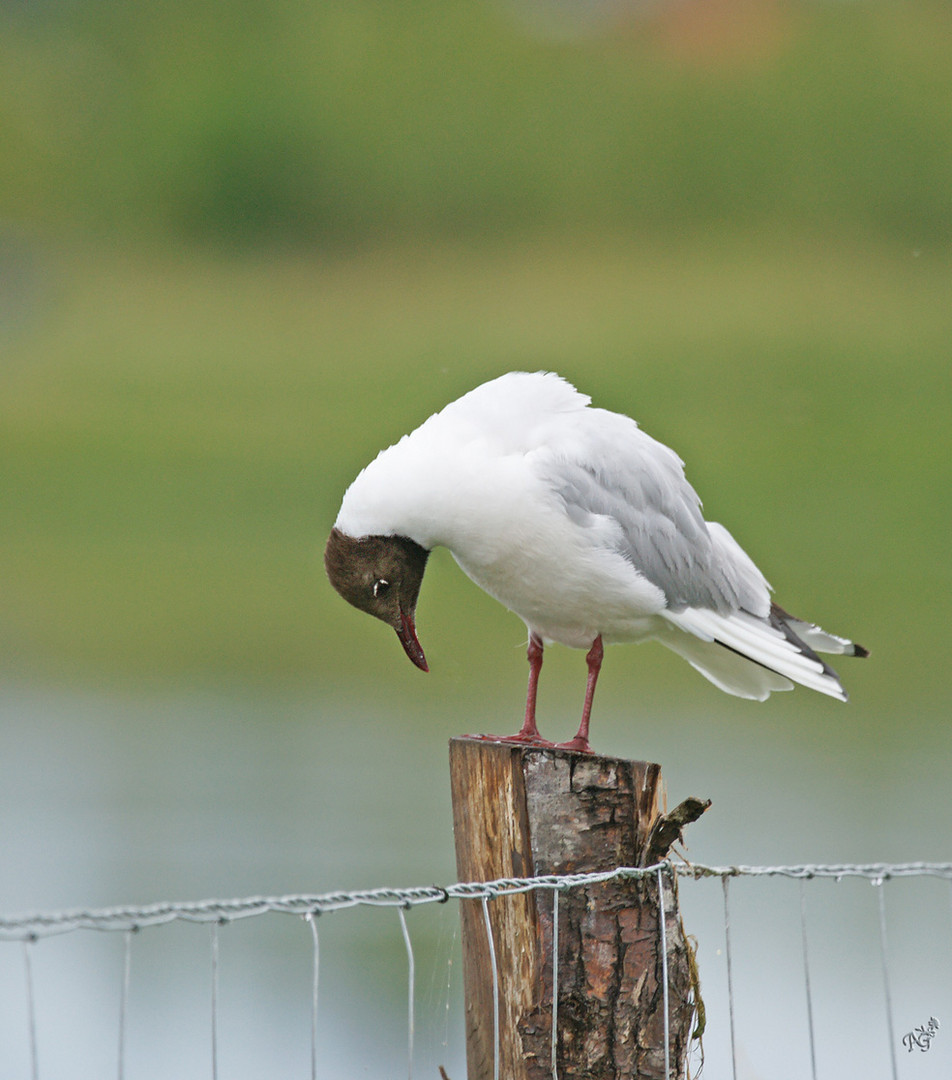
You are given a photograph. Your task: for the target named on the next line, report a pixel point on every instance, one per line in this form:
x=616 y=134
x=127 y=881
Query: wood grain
x=521 y=811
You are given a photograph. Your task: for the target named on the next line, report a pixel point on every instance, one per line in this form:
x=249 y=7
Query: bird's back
x=512 y=412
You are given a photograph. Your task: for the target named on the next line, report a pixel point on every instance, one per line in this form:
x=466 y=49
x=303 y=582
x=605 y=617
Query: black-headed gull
x=582 y=525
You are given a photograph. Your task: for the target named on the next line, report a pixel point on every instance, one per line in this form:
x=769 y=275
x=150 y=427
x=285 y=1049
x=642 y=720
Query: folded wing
x=622 y=484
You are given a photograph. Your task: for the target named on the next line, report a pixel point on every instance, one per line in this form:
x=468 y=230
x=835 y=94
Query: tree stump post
x=524 y=812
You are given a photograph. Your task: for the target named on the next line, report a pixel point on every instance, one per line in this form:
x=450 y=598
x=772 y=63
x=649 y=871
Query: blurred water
x=110 y=799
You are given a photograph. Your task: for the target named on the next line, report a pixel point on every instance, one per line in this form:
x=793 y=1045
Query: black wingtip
x=858 y=650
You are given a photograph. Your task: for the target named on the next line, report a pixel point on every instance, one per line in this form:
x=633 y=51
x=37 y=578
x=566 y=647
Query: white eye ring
x=380 y=585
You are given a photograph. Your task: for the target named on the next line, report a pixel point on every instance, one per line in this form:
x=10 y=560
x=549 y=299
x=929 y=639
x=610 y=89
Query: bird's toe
x=578 y=744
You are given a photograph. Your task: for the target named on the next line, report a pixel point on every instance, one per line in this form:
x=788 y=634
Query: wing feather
x=622 y=484
x=612 y=473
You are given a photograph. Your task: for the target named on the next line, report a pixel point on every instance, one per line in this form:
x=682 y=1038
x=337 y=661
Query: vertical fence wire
x=495 y=970
x=449 y=986
x=664 y=976
x=28 y=944
x=555 y=985
x=124 y=1002
x=875 y=874
x=410 y=990
x=806 y=976
x=725 y=883
x=214 y=1031
x=315 y=973
x=887 y=993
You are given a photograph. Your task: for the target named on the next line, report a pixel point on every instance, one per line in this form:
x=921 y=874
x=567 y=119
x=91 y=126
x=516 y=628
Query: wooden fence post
x=523 y=812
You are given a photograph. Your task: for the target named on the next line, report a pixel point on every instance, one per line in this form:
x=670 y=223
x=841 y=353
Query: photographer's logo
x=921 y=1038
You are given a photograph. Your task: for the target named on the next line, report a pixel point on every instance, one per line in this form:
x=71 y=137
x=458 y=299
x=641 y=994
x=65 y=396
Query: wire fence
x=737 y=1011
x=31 y=926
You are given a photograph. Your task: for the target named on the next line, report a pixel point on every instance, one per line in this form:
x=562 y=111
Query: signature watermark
x=921 y=1037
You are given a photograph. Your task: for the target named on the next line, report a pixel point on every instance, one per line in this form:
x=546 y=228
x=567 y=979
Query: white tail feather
x=755 y=640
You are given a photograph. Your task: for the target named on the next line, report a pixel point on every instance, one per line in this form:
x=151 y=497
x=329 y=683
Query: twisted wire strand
x=44 y=924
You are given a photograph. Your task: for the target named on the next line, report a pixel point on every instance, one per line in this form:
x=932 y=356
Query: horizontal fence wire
x=31 y=926
x=733 y=1015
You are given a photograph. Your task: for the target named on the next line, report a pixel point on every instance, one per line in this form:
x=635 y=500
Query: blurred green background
x=245 y=246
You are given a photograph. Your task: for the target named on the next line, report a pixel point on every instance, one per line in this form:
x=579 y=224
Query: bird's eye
x=381 y=586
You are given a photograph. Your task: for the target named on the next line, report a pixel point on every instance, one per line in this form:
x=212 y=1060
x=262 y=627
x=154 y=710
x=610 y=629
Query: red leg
x=594 y=661
x=528 y=733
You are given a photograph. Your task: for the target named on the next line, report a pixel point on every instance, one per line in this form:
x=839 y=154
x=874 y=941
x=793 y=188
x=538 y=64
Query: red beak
x=408 y=639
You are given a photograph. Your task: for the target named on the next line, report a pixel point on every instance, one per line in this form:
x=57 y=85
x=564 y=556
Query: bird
x=585 y=527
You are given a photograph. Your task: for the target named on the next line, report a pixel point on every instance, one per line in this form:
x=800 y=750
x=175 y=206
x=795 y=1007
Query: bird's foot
x=578 y=744
x=521 y=738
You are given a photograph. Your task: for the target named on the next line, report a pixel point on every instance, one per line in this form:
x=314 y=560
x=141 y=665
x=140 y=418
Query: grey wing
x=614 y=471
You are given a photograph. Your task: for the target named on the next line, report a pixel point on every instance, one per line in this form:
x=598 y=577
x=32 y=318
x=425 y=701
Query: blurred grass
x=177 y=430
x=244 y=247
x=377 y=118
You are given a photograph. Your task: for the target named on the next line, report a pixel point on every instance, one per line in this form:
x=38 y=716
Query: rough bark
x=523 y=812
